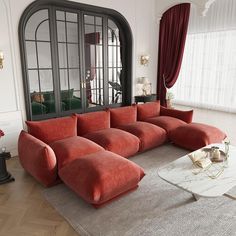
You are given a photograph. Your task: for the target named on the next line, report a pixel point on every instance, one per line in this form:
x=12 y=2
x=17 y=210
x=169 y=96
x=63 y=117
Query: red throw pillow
x=52 y=130
x=92 y=121
x=148 y=110
x=185 y=116
x=123 y=115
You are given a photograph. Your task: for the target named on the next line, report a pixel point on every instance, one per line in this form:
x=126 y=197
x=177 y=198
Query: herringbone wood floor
x=23 y=209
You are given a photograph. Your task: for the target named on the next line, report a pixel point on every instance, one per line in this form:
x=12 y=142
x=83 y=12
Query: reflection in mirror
x=44 y=55
x=61 y=31
x=73 y=55
x=114 y=63
x=41 y=92
x=72 y=33
x=38 y=56
x=42 y=32
x=31 y=54
x=72 y=17
x=60 y=15
x=68 y=51
x=94 y=80
x=36 y=21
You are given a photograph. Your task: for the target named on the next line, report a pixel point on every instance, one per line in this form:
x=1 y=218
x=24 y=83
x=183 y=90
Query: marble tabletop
x=180 y=173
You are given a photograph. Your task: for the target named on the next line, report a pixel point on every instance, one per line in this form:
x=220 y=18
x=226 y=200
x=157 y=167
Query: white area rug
x=155 y=208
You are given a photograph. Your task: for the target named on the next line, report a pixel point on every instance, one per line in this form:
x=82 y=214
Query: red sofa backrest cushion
x=186 y=116
x=148 y=110
x=52 y=130
x=123 y=115
x=92 y=121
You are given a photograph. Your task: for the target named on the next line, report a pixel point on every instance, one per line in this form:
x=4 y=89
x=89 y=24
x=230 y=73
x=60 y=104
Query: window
x=75 y=58
x=208 y=73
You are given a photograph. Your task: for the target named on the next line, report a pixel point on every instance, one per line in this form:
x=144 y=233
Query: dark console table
x=5 y=176
x=147 y=98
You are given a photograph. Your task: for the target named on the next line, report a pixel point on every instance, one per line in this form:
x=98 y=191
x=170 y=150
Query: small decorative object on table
x=207 y=160
x=5 y=176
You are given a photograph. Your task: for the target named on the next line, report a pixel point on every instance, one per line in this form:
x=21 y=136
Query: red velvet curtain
x=172 y=37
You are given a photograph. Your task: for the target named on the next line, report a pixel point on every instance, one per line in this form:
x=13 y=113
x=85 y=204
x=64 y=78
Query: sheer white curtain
x=208 y=73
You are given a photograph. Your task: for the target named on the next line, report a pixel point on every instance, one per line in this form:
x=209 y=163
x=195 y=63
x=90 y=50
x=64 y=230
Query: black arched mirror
x=75 y=58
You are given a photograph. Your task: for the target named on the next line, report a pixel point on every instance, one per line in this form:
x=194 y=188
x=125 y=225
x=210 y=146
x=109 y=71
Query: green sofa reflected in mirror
x=44 y=102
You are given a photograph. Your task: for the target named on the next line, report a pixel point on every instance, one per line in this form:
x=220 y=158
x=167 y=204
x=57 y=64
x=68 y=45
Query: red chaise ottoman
x=195 y=135
x=101 y=176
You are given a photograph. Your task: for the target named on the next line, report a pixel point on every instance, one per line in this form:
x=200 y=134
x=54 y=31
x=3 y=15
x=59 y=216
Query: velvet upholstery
x=101 y=176
x=92 y=121
x=166 y=122
x=185 y=116
x=148 y=110
x=37 y=158
x=123 y=115
x=172 y=36
x=195 y=135
x=116 y=140
x=68 y=149
x=150 y=135
x=52 y=130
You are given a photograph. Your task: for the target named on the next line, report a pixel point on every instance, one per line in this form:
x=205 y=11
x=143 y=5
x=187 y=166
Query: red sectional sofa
x=88 y=151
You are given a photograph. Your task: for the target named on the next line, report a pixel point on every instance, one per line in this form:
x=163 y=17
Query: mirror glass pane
x=33 y=80
x=60 y=15
x=44 y=55
x=61 y=31
x=42 y=32
x=114 y=64
x=94 y=60
x=46 y=81
x=34 y=23
x=31 y=54
x=38 y=57
x=71 y=17
x=89 y=20
x=68 y=52
x=73 y=55
x=62 y=53
x=72 y=32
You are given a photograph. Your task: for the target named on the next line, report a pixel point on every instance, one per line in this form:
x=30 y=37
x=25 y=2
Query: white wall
x=10 y=109
x=143 y=17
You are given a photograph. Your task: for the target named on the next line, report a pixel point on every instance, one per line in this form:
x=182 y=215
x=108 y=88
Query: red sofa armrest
x=186 y=116
x=37 y=158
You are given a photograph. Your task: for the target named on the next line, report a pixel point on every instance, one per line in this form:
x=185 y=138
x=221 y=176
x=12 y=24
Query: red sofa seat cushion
x=116 y=140
x=195 y=135
x=185 y=116
x=92 y=121
x=52 y=130
x=38 y=159
x=101 y=176
x=67 y=150
x=150 y=135
x=123 y=115
x=166 y=122
x=148 y=110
